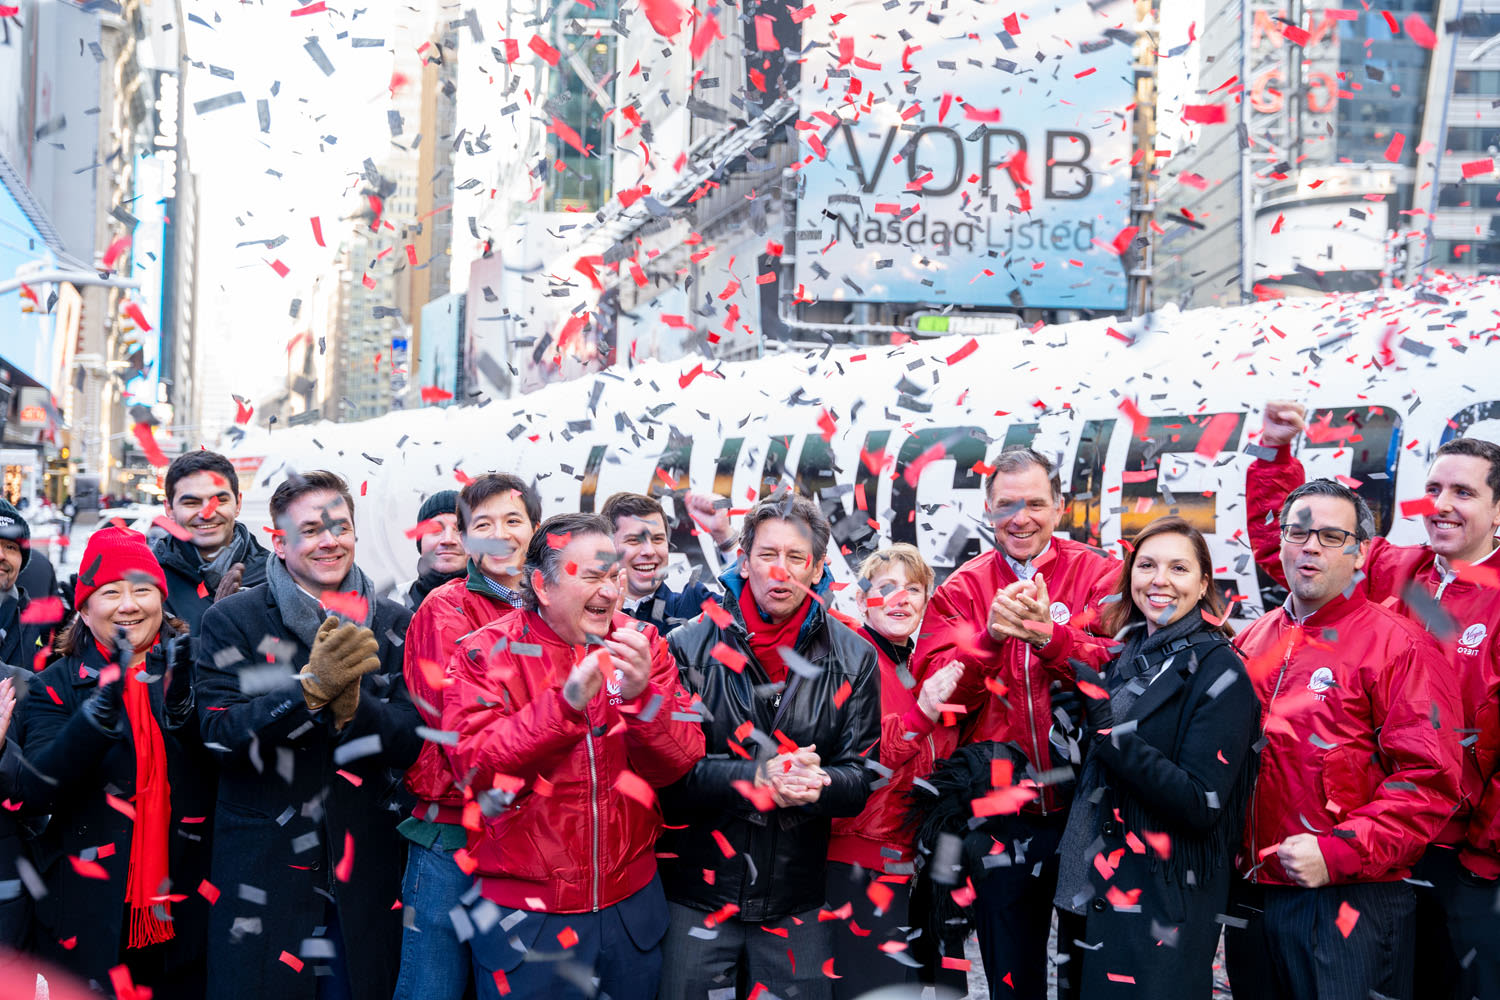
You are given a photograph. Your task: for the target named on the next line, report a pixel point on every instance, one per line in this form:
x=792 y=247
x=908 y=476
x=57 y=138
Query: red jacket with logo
x=910 y=743
x=1007 y=695
x=1356 y=747
x=580 y=833
x=448 y=614
x=1473 y=654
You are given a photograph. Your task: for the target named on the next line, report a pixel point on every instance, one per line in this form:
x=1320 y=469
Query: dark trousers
x=559 y=955
x=1303 y=953
x=1458 y=930
x=858 y=960
x=1013 y=912
x=785 y=956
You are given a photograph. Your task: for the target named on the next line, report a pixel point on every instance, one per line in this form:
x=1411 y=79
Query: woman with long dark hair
x=1148 y=852
x=110 y=736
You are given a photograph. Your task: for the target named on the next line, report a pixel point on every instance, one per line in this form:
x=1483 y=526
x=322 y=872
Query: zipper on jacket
x=1265 y=721
x=588 y=741
x=1031 y=721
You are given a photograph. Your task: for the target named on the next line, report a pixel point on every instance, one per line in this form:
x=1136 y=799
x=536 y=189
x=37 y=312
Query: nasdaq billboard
x=942 y=167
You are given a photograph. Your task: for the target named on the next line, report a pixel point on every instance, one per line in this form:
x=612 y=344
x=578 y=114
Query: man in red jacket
x=567 y=715
x=1451 y=587
x=497 y=515
x=977 y=617
x=1359 y=766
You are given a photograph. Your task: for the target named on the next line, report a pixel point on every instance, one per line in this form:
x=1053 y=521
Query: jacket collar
x=734 y=585
x=537 y=630
x=1341 y=606
x=1441 y=570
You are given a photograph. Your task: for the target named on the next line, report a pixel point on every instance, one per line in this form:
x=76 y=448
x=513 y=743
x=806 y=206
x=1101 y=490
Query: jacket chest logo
x=615 y=685
x=1320 y=681
x=1468 y=643
x=1060 y=613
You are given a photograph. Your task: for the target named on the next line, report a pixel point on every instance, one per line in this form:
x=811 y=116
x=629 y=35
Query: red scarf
x=146 y=883
x=767 y=640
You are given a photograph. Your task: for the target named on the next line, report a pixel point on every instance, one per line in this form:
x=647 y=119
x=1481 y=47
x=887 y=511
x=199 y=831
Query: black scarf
x=1127 y=675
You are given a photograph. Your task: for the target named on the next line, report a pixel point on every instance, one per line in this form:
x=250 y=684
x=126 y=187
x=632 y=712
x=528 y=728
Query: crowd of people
x=535 y=769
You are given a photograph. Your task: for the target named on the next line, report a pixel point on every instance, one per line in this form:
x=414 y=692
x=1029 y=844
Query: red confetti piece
x=1398 y=143
x=290 y=961
x=1138 y=420
x=828 y=970
x=312 y=8
x=666 y=16
x=281 y=269
x=1120 y=977
x=723 y=843
x=1476 y=167
x=43 y=611
x=567 y=937
x=208 y=891
x=963 y=352
x=501 y=983
x=112 y=254
x=566 y=133
x=1420 y=507
x=705 y=36
x=171 y=527
x=1347 y=918
x=1205 y=114
x=1012 y=24
x=765 y=33
x=716 y=614
x=433 y=394
x=348 y=604
x=633 y=786
x=345 y=868
x=842 y=694
x=147 y=440
x=683 y=381
x=1420 y=33
x=119 y=978
x=539 y=45
x=1296 y=35
x=1161 y=843
x=133 y=310
x=729 y=656
x=1220 y=426
x=798 y=16
x=1276 y=226
x=88 y=869
x=954 y=962
x=1003 y=801
x=880 y=894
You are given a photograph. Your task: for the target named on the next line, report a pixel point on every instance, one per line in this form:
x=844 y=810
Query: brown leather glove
x=341 y=655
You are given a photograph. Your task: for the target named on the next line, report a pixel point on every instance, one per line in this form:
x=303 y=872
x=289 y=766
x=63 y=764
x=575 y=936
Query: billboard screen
x=940 y=167
x=148 y=263
x=437 y=367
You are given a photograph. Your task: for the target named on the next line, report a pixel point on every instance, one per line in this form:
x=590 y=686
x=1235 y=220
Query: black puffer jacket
x=779 y=857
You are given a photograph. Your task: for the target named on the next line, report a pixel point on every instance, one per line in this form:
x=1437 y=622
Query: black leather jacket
x=778 y=858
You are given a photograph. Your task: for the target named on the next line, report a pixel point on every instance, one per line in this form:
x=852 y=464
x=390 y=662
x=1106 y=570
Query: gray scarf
x=214 y=569
x=1127 y=676
x=302 y=614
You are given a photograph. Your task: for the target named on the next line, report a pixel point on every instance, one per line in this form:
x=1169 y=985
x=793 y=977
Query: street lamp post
x=73 y=277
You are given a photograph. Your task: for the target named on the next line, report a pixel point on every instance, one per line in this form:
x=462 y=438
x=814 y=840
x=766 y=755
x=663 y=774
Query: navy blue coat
x=293 y=792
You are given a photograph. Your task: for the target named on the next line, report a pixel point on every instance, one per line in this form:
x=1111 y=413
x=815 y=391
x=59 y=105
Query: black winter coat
x=84 y=765
x=15 y=901
x=295 y=796
x=787 y=848
x=19 y=643
x=1183 y=769
x=189 y=593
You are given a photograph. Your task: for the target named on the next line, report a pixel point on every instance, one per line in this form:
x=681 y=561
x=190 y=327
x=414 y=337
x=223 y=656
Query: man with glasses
x=1447 y=587
x=1359 y=768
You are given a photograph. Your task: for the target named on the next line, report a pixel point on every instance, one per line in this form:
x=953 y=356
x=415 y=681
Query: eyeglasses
x=1329 y=538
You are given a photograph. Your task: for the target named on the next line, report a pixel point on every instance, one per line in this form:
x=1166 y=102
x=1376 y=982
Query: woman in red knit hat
x=110 y=735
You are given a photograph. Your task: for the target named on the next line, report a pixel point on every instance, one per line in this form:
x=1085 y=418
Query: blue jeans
x=435 y=964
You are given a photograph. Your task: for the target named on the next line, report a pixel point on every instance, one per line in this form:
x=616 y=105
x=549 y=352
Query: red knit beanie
x=115 y=554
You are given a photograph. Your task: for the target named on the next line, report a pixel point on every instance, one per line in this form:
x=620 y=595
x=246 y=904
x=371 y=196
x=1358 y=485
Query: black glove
x=103 y=708
x=179 y=701
x=1098 y=713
